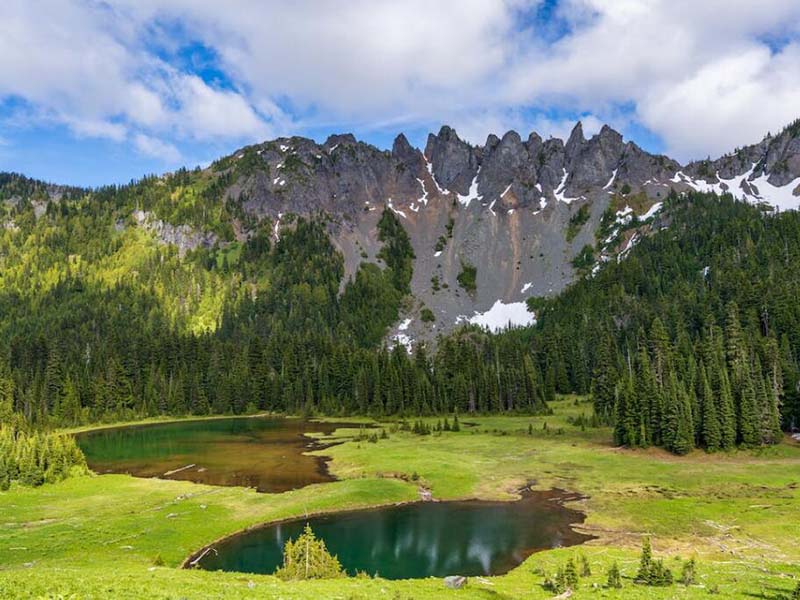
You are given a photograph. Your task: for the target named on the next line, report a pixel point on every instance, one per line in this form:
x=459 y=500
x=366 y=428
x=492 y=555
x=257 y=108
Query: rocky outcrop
x=184 y=237
x=503 y=207
x=767 y=172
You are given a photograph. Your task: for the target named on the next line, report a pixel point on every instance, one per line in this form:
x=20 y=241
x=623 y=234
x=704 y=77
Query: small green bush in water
x=308 y=558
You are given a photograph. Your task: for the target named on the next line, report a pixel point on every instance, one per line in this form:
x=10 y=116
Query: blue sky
x=106 y=91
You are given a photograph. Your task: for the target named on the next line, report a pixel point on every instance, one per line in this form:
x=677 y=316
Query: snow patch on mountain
x=502 y=315
x=395 y=210
x=652 y=211
x=473 y=191
x=429 y=166
x=611 y=181
x=401 y=339
x=424 y=198
x=746 y=187
x=782 y=198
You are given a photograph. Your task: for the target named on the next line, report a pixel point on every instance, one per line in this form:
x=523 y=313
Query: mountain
x=273 y=279
x=490 y=226
x=518 y=212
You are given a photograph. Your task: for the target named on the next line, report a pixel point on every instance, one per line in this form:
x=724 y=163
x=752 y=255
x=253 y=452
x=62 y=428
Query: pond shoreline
x=304 y=441
x=559 y=496
x=81 y=429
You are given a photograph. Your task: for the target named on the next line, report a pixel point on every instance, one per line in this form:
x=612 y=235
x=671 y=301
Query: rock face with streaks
x=186 y=238
x=504 y=207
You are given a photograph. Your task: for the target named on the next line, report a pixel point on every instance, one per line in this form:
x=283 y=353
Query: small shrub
x=467 y=278
x=645 y=562
x=566 y=578
x=584 y=259
x=586 y=569
x=576 y=222
x=557 y=584
x=571 y=575
x=449 y=227
x=660 y=575
x=689 y=572
x=614 y=580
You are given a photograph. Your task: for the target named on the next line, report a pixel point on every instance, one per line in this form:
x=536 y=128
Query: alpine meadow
x=414 y=365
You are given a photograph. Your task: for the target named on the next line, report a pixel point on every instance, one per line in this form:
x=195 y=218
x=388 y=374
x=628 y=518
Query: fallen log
x=168 y=473
x=193 y=563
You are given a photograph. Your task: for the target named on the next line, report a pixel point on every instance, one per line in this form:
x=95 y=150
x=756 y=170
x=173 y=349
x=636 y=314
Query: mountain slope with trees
x=171 y=296
x=692 y=339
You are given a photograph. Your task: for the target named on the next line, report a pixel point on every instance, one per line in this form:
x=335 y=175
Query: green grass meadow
x=115 y=536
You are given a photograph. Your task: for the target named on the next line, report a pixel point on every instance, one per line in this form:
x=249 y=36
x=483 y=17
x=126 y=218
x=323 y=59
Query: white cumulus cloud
x=156 y=148
x=702 y=76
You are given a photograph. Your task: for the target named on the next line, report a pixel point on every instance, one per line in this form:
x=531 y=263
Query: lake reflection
x=417 y=540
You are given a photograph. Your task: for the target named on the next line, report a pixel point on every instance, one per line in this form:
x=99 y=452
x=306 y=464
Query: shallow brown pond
x=266 y=453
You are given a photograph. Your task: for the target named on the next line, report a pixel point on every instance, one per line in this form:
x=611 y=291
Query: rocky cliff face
x=512 y=209
x=767 y=172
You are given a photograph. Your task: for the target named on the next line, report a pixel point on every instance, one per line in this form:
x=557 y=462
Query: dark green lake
x=261 y=452
x=416 y=540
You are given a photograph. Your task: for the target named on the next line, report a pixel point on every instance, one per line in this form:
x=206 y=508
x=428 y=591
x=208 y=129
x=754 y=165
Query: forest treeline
x=690 y=341
x=99 y=322
x=35 y=457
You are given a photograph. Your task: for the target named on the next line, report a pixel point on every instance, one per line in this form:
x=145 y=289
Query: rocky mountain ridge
x=490 y=225
x=521 y=213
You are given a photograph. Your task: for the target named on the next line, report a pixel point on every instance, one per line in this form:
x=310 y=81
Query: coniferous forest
x=691 y=340
x=101 y=323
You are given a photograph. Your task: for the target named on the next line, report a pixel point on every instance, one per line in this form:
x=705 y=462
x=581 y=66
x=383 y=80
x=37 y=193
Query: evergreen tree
x=571 y=575
x=70 y=413
x=645 y=562
x=726 y=411
x=678 y=425
x=711 y=434
x=308 y=558
x=748 y=417
x=586 y=569
x=627 y=415
x=604 y=382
